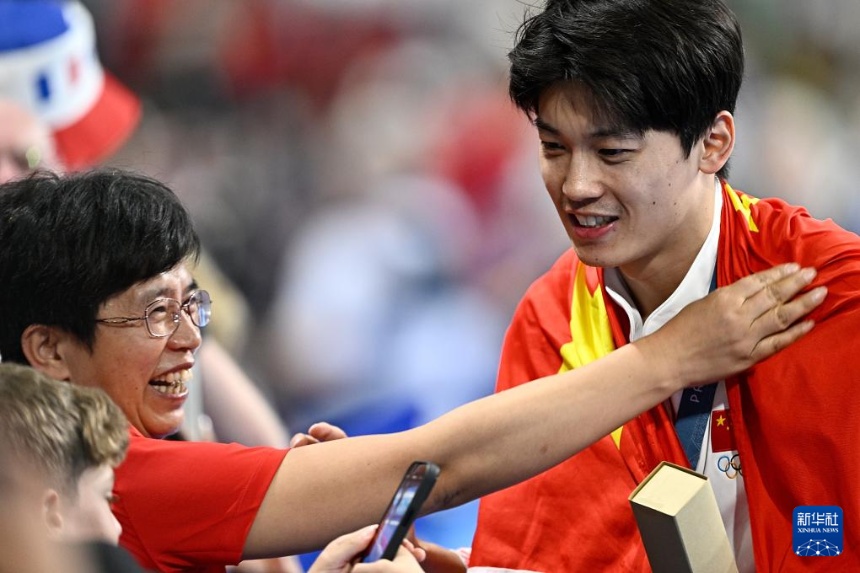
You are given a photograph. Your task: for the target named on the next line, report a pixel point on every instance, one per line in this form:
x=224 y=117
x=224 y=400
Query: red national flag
x=722 y=437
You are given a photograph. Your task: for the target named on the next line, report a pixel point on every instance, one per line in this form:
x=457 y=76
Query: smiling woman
x=143 y=369
x=156 y=405
x=91 y=259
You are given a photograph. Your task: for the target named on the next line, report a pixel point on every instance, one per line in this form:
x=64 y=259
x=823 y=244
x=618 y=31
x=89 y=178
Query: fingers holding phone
x=406 y=560
x=340 y=555
x=383 y=547
x=402 y=511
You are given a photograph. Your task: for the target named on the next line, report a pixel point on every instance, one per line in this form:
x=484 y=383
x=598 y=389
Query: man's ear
x=52 y=513
x=719 y=142
x=41 y=346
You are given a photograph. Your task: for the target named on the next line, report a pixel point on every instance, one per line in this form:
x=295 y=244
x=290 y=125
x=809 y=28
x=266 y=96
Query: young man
x=98 y=290
x=633 y=105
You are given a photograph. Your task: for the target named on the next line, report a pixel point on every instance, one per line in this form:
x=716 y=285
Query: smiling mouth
x=591 y=221
x=172 y=383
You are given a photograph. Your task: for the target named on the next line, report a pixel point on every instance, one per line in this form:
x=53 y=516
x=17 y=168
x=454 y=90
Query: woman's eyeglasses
x=162 y=316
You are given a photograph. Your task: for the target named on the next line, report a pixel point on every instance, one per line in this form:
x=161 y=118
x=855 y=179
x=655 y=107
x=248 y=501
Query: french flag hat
x=49 y=63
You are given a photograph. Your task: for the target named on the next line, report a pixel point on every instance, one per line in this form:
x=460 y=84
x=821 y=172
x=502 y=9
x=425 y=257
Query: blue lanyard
x=694 y=411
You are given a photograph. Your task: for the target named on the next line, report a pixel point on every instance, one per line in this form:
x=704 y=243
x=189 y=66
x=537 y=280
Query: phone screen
x=402 y=510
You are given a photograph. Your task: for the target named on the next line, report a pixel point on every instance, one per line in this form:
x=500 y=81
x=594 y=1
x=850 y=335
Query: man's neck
x=650 y=289
x=653 y=281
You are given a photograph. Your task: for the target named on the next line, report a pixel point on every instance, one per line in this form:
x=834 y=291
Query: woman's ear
x=719 y=142
x=41 y=347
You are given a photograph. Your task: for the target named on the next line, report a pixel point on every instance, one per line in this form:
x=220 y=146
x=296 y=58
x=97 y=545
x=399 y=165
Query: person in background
x=99 y=290
x=26 y=143
x=24 y=545
x=633 y=104
x=70 y=439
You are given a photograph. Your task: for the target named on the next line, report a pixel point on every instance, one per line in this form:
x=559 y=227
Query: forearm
x=544 y=422
x=347 y=483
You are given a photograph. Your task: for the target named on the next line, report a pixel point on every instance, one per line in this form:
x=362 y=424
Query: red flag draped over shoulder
x=795 y=414
x=798 y=406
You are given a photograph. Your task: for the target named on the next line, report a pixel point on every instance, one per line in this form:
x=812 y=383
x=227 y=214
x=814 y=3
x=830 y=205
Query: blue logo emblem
x=818 y=530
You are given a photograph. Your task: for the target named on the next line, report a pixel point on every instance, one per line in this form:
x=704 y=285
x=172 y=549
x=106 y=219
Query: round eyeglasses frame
x=162 y=316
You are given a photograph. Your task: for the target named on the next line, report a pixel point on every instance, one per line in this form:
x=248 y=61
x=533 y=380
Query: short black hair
x=71 y=242
x=667 y=65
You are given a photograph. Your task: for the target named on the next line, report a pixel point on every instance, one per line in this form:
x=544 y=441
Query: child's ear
x=42 y=348
x=719 y=142
x=52 y=513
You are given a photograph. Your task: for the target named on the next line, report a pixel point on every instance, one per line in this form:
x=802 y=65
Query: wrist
x=669 y=373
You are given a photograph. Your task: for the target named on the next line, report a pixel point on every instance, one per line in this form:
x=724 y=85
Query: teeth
x=172 y=383
x=172 y=390
x=592 y=221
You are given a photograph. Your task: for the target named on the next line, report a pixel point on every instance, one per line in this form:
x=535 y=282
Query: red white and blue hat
x=49 y=63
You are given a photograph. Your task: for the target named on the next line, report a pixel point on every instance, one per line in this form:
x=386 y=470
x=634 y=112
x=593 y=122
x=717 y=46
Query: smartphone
x=402 y=511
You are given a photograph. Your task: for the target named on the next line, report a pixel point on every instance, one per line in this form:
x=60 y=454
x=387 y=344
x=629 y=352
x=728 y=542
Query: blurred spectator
x=49 y=65
x=25 y=142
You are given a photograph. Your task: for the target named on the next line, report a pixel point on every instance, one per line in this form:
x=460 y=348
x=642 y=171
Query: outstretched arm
x=333 y=487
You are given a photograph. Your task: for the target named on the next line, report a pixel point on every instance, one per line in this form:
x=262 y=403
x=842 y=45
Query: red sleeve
x=190 y=505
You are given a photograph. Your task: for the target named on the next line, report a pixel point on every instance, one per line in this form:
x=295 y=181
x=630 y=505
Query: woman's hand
x=319 y=432
x=339 y=555
x=737 y=325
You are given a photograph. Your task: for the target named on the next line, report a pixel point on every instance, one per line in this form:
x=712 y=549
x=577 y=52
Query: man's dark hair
x=667 y=65
x=68 y=243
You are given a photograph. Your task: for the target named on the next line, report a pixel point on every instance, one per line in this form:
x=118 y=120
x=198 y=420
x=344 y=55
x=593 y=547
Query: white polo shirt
x=719 y=459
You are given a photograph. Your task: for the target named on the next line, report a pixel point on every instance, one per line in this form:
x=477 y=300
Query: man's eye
x=613 y=152
x=551 y=146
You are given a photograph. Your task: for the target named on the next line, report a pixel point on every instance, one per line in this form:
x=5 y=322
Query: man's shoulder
x=771 y=222
x=761 y=213
x=759 y=233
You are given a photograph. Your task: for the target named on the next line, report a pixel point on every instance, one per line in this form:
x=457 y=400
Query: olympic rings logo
x=730 y=466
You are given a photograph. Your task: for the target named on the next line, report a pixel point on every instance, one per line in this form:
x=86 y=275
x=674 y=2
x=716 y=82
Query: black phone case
x=420 y=479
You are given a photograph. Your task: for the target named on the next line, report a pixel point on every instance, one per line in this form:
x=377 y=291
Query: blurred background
x=372 y=200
